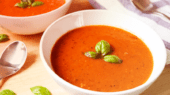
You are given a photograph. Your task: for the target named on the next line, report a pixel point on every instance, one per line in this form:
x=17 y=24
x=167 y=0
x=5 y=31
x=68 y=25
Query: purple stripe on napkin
x=166 y=1
x=129 y=5
x=167 y=44
x=94 y=4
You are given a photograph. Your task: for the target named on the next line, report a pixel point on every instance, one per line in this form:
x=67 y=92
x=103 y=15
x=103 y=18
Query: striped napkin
x=155 y=20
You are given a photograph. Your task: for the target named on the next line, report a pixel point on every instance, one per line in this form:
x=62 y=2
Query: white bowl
x=33 y=24
x=102 y=17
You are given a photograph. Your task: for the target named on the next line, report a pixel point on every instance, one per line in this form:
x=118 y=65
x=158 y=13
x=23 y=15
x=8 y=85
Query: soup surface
x=7 y=7
x=70 y=63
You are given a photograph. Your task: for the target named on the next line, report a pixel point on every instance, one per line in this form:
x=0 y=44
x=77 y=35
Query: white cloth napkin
x=156 y=21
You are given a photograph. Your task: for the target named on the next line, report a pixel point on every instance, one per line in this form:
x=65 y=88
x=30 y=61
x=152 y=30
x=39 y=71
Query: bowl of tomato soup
x=31 y=19
x=66 y=41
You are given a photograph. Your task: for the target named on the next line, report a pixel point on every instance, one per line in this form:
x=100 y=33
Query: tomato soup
x=70 y=63
x=7 y=8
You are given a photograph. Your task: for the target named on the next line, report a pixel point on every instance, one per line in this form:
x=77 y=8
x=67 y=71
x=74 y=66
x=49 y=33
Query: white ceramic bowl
x=33 y=24
x=102 y=17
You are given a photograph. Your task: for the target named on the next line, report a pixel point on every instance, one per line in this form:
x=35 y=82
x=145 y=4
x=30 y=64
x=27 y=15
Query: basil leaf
x=37 y=3
x=102 y=47
x=30 y=2
x=91 y=54
x=7 y=92
x=22 y=4
x=112 y=59
x=39 y=90
x=3 y=37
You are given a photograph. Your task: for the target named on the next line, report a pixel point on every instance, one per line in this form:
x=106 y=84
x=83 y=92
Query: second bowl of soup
x=31 y=19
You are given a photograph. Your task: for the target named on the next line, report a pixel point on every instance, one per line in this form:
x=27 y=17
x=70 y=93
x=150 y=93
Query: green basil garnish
x=7 y=92
x=37 y=3
x=28 y=3
x=91 y=54
x=112 y=59
x=3 y=37
x=102 y=49
x=39 y=90
x=22 y=4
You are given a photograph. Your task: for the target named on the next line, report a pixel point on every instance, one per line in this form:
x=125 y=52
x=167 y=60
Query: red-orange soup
x=7 y=8
x=70 y=63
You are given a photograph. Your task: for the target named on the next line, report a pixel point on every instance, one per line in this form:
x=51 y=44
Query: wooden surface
x=33 y=73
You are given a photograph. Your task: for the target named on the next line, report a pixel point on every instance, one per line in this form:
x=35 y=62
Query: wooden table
x=33 y=73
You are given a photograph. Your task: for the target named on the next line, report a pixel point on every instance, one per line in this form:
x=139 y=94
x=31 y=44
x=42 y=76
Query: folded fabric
x=157 y=21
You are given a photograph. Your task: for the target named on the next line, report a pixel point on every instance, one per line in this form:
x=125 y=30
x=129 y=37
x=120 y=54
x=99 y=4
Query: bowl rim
x=24 y=17
x=53 y=74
